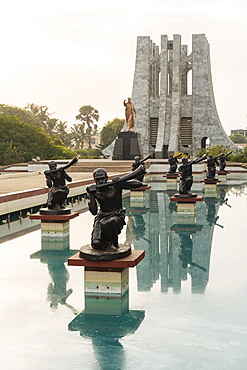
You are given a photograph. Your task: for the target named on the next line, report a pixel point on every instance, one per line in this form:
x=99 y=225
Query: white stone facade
x=168 y=118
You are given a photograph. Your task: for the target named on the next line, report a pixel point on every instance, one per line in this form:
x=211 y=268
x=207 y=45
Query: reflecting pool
x=186 y=301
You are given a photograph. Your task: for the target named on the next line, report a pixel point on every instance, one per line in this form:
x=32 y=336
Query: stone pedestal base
x=186 y=209
x=171 y=181
x=127 y=146
x=138 y=197
x=222 y=175
x=106 y=285
x=54 y=230
x=106 y=311
x=210 y=190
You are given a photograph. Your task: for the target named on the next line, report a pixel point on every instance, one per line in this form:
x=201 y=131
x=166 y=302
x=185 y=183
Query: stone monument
x=170 y=117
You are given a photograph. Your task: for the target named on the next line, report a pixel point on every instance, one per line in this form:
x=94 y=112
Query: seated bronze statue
x=107 y=195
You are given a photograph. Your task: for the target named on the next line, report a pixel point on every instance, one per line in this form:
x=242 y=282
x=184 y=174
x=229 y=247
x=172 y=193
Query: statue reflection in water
x=57 y=292
x=211 y=214
x=186 y=248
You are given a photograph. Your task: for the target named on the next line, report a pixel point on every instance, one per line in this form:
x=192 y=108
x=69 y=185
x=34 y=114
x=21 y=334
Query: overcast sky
x=67 y=54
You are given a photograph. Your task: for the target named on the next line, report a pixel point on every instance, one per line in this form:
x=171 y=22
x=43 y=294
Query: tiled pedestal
x=54 y=230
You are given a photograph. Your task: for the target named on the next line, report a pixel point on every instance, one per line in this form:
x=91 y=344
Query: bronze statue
x=138 y=162
x=186 y=179
x=173 y=162
x=223 y=160
x=56 y=180
x=130 y=113
x=211 y=165
x=109 y=219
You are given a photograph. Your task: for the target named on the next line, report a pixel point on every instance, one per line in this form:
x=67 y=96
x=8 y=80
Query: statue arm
x=48 y=179
x=66 y=176
x=134 y=110
x=73 y=161
x=92 y=204
x=131 y=184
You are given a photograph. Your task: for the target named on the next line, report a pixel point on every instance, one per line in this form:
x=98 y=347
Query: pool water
x=188 y=294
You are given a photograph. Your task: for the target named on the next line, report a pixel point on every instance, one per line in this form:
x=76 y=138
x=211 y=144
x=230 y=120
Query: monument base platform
x=127 y=146
x=91 y=254
x=49 y=211
x=50 y=217
x=131 y=261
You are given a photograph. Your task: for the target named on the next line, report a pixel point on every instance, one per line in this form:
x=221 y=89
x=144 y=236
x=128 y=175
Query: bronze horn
x=130 y=176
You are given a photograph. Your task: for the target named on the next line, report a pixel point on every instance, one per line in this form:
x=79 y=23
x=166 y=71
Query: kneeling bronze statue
x=105 y=202
x=56 y=178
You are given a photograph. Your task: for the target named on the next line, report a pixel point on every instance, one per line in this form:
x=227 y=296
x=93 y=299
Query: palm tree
x=88 y=114
x=61 y=130
x=78 y=135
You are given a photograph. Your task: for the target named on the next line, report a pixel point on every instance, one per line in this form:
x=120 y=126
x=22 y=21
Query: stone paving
x=10 y=183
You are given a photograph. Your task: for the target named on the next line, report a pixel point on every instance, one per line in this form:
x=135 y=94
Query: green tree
x=238 y=138
x=88 y=114
x=27 y=141
x=61 y=131
x=109 y=131
x=214 y=150
x=26 y=116
x=12 y=154
x=78 y=135
x=238 y=155
x=44 y=117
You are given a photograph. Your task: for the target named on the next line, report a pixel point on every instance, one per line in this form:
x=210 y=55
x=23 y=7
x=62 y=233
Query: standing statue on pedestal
x=173 y=162
x=211 y=165
x=130 y=113
x=223 y=159
x=138 y=162
x=56 y=181
x=186 y=178
x=110 y=216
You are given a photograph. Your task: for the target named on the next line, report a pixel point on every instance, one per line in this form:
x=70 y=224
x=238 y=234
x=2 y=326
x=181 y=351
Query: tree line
x=32 y=132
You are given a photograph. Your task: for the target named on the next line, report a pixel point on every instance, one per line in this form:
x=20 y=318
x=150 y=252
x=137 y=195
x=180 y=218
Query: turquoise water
x=187 y=298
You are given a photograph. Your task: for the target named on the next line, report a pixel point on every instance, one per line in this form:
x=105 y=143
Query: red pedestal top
x=38 y=216
x=172 y=175
x=187 y=200
x=210 y=182
x=130 y=261
x=141 y=188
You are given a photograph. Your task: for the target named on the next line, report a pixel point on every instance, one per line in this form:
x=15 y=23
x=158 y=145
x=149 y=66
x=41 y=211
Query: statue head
x=210 y=156
x=52 y=165
x=137 y=158
x=184 y=160
x=100 y=176
x=129 y=100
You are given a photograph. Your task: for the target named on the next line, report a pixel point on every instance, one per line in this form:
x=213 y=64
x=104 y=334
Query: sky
x=66 y=54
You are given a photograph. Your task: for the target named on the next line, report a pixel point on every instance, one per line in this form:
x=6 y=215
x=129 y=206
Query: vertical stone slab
x=141 y=89
x=163 y=96
x=176 y=95
x=206 y=122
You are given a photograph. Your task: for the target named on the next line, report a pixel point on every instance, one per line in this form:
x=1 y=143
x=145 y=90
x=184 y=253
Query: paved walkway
x=11 y=183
